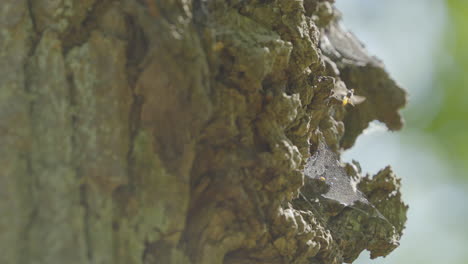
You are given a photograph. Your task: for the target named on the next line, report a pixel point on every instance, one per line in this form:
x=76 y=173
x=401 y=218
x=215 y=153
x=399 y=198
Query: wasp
x=341 y=93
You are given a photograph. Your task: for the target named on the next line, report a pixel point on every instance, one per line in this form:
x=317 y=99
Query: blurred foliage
x=450 y=124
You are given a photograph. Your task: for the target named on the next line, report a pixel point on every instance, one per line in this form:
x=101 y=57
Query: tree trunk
x=176 y=131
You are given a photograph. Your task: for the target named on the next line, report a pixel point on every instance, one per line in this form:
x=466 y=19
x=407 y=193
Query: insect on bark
x=345 y=96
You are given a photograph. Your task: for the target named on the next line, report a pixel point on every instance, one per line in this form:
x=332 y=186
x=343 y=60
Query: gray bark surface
x=176 y=131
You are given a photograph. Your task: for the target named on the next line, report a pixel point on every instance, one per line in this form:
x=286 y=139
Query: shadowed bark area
x=176 y=131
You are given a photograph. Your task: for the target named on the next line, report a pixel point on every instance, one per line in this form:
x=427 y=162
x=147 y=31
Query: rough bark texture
x=176 y=131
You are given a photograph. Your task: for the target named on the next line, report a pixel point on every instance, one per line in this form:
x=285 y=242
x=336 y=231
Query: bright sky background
x=407 y=36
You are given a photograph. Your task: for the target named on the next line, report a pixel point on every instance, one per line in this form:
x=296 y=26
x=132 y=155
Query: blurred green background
x=424 y=45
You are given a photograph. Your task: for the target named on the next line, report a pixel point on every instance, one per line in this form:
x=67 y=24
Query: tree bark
x=176 y=131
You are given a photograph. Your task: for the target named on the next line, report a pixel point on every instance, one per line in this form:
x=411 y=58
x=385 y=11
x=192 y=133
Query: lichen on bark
x=177 y=132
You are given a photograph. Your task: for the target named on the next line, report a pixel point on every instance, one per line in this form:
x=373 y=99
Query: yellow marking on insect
x=218 y=46
x=345 y=100
x=322 y=178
